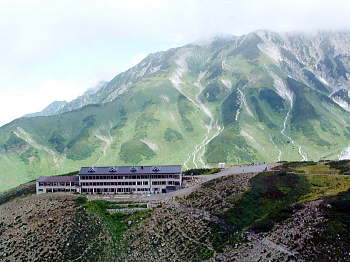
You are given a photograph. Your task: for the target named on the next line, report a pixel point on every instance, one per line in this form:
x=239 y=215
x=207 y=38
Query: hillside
x=259 y=97
x=296 y=213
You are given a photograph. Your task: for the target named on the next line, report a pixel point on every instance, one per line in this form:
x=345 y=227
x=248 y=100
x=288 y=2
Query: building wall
x=127 y=184
x=42 y=187
x=114 y=184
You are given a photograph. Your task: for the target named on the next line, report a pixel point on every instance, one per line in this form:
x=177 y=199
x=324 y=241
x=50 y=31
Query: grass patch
x=342 y=165
x=124 y=206
x=317 y=169
x=117 y=223
x=325 y=185
x=275 y=196
x=260 y=207
x=172 y=135
x=134 y=151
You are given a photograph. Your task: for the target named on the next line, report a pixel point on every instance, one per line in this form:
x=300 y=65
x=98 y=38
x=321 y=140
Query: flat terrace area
x=190 y=186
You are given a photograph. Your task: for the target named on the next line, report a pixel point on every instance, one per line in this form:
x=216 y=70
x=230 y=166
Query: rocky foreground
x=196 y=227
x=47 y=228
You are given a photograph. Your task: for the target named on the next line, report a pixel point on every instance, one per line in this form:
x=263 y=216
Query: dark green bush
x=263 y=225
x=80 y=200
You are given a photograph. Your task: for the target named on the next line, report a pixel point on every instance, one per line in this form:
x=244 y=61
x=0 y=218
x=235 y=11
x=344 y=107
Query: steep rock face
x=52 y=109
x=91 y=96
x=264 y=96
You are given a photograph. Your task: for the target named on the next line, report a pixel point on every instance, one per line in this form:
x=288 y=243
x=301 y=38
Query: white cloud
x=16 y=103
x=76 y=43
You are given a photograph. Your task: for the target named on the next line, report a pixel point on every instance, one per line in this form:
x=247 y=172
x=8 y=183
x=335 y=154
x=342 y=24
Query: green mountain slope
x=259 y=97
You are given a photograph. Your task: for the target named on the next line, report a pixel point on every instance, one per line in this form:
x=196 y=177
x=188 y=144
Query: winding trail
x=176 y=79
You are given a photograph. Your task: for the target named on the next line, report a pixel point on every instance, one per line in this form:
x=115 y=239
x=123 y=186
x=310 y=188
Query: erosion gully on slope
x=176 y=80
x=286 y=95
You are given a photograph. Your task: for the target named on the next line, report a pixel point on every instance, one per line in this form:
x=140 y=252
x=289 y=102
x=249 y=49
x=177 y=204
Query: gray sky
x=55 y=50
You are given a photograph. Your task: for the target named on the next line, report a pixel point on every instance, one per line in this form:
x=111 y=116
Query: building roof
x=130 y=170
x=58 y=179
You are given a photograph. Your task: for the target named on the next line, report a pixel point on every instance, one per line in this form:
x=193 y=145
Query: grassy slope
x=275 y=196
x=140 y=114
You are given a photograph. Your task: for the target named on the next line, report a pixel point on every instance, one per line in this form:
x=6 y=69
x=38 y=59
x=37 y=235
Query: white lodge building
x=115 y=180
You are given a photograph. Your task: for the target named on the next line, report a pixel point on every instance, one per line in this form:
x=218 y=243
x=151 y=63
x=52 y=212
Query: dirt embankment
x=20 y=191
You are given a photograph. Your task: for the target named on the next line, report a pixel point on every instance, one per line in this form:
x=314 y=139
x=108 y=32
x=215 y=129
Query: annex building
x=115 y=180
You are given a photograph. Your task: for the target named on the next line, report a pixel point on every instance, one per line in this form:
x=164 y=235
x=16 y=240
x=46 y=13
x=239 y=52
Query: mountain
x=52 y=109
x=91 y=96
x=264 y=96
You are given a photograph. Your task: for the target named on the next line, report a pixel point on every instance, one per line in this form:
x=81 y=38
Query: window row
x=114 y=183
x=50 y=190
x=58 y=183
x=89 y=177
x=112 y=190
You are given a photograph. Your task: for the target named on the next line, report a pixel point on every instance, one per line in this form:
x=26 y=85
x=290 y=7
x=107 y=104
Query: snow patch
x=345 y=154
x=324 y=81
x=251 y=139
x=106 y=139
x=165 y=98
x=150 y=144
x=227 y=83
x=271 y=50
x=342 y=103
x=245 y=104
x=281 y=88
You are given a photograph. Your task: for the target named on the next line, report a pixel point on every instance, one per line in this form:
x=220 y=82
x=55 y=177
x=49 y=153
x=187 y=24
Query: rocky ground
x=53 y=227
x=47 y=228
x=218 y=194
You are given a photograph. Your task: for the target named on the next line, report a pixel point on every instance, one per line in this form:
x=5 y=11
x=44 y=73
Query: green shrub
x=263 y=225
x=57 y=141
x=201 y=171
x=80 y=200
x=14 y=142
x=172 y=135
x=134 y=151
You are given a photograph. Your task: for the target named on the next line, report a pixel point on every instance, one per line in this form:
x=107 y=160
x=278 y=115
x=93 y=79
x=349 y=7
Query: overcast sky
x=56 y=49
